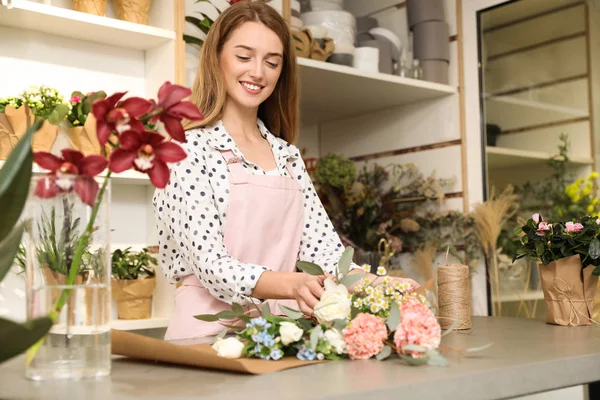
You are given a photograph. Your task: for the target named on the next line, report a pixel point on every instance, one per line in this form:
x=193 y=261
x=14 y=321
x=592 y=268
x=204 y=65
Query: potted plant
x=568 y=257
x=82 y=124
x=133 y=282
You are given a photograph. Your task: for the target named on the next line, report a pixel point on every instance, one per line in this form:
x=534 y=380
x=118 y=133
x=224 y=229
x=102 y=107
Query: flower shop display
x=133 y=283
x=81 y=128
x=72 y=183
x=355 y=318
x=568 y=256
x=17 y=113
x=95 y=7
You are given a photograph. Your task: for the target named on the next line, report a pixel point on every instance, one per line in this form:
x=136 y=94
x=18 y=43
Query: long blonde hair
x=279 y=112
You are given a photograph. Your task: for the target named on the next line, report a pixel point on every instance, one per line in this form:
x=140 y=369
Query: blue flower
x=257 y=348
x=306 y=354
x=260 y=321
x=276 y=354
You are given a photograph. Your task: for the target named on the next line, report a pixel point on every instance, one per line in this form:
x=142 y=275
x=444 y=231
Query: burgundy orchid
x=71 y=172
x=172 y=110
x=147 y=152
x=114 y=116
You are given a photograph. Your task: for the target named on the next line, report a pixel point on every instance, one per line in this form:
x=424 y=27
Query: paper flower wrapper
x=13 y=124
x=134 y=297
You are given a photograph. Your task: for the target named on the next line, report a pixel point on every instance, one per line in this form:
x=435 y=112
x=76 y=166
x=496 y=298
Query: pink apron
x=263 y=226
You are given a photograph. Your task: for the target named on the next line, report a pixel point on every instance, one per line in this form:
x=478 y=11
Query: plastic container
x=431 y=41
x=435 y=70
x=366 y=59
x=340 y=25
x=419 y=11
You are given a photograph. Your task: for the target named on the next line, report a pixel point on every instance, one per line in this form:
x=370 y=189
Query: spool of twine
x=454 y=296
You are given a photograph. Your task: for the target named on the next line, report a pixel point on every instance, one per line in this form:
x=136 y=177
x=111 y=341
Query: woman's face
x=251 y=62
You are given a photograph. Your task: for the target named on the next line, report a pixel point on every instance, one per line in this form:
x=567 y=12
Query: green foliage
x=127 y=264
x=81 y=106
x=44 y=102
x=336 y=171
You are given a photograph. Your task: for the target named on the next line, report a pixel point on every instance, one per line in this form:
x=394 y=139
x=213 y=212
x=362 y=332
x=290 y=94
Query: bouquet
x=356 y=318
x=45 y=102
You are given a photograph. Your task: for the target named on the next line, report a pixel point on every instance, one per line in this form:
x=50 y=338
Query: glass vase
x=78 y=344
x=371 y=258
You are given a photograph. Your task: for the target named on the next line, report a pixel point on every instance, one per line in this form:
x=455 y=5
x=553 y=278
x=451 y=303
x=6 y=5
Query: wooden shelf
x=330 y=92
x=521 y=295
x=30 y=15
x=500 y=157
x=136 y=324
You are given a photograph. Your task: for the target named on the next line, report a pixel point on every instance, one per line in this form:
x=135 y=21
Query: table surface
x=527 y=356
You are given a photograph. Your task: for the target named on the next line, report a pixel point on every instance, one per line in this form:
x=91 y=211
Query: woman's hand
x=307 y=291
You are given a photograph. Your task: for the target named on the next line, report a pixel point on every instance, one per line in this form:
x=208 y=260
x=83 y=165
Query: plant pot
x=569 y=298
x=135 y=11
x=95 y=7
x=78 y=344
x=13 y=125
x=419 y=11
x=134 y=297
x=430 y=41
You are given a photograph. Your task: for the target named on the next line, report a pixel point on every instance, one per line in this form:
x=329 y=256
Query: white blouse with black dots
x=191 y=213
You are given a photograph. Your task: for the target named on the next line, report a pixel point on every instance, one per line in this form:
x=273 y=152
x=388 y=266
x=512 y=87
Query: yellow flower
x=590 y=209
x=587 y=190
x=594 y=175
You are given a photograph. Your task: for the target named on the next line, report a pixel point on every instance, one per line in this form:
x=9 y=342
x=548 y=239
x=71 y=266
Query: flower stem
x=74 y=269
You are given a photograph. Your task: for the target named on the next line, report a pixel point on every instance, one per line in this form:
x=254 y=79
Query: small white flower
x=290 y=332
x=336 y=340
x=366 y=268
x=320 y=356
x=381 y=270
x=334 y=303
x=228 y=348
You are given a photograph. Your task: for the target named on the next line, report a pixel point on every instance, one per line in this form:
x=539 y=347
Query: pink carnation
x=571 y=227
x=418 y=326
x=364 y=336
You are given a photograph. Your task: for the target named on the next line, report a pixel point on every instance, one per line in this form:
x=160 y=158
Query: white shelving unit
x=52 y=20
x=502 y=157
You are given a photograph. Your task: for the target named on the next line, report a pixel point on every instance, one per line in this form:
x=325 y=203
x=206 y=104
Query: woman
x=241 y=210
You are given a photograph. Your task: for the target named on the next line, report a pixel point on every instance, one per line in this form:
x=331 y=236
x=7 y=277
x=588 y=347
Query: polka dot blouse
x=191 y=214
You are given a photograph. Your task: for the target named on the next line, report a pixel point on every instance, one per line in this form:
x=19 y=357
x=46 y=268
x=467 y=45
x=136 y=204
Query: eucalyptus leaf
x=207 y=317
x=9 y=248
x=227 y=314
x=266 y=310
x=413 y=361
x=595 y=248
x=293 y=314
x=354 y=312
x=414 y=347
x=16 y=338
x=384 y=353
x=340 y=324
x=436 y=360
x=393 y=319
x=314 y=337
x=236 y=308
x=219 y=336
x=309 y=268
x=480 y=348
x=345 y=261
x=305 y=324
x=451 y=328
x=350 y=279
x=15 y=177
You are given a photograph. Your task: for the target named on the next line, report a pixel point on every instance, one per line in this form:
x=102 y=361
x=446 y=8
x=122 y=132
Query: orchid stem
x=74 y=269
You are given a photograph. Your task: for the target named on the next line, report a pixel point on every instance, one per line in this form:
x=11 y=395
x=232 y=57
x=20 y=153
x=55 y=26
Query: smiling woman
x=240 y=211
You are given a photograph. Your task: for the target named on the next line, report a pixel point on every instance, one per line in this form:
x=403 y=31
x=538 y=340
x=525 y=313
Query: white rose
x=290 y=333
x=228 y=348
x=334 y=303
x=336 y=340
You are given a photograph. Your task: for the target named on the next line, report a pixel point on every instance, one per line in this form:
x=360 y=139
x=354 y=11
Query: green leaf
x=15 y=178
x=596 y=271
x=193 y=40
x=16 y=338
x=207 y=317
x=414 y=347
x=351 y=279
x=202 y=24
x=414 y=361
x=345 y=261
x=227 y=314
x=354 y=312
x=8 y=250
x=480 y=348
x=539 y=248
x=435 y=359
x=219 y=336
x=393 y=319
x=293 y=314
x=305 y=324
x=236 y=308
x=58 y=114
x=595 y=248
x=384 y=353
x=309 y=268
x=339 y=324
x=266 y=310
x=451 y=328
x=314 y=337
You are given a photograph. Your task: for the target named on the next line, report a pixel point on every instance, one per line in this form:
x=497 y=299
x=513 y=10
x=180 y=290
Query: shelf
x=136 y=324
x=25 y=14
x=522 y=295
x=500 y=157
x=518 y=105
x=356 y=92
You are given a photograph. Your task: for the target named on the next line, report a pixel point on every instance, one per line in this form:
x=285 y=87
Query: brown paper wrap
x=199 y=355
x=54 y=278
x=308 y=47
x=13 y=124
x=95 y=7
x=569 y=301
x=134 y=297
x=85 y=139
x=135 y=11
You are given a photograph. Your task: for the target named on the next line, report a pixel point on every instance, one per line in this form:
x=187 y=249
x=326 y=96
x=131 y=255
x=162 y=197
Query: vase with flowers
x=568 y=257
x=69 y=279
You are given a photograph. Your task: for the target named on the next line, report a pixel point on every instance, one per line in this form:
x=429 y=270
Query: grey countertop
x=528 y=356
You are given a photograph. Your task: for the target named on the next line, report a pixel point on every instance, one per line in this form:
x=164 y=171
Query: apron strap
x=236 y=170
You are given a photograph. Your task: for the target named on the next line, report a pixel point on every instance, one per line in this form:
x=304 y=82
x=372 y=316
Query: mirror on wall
x=540 y=101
